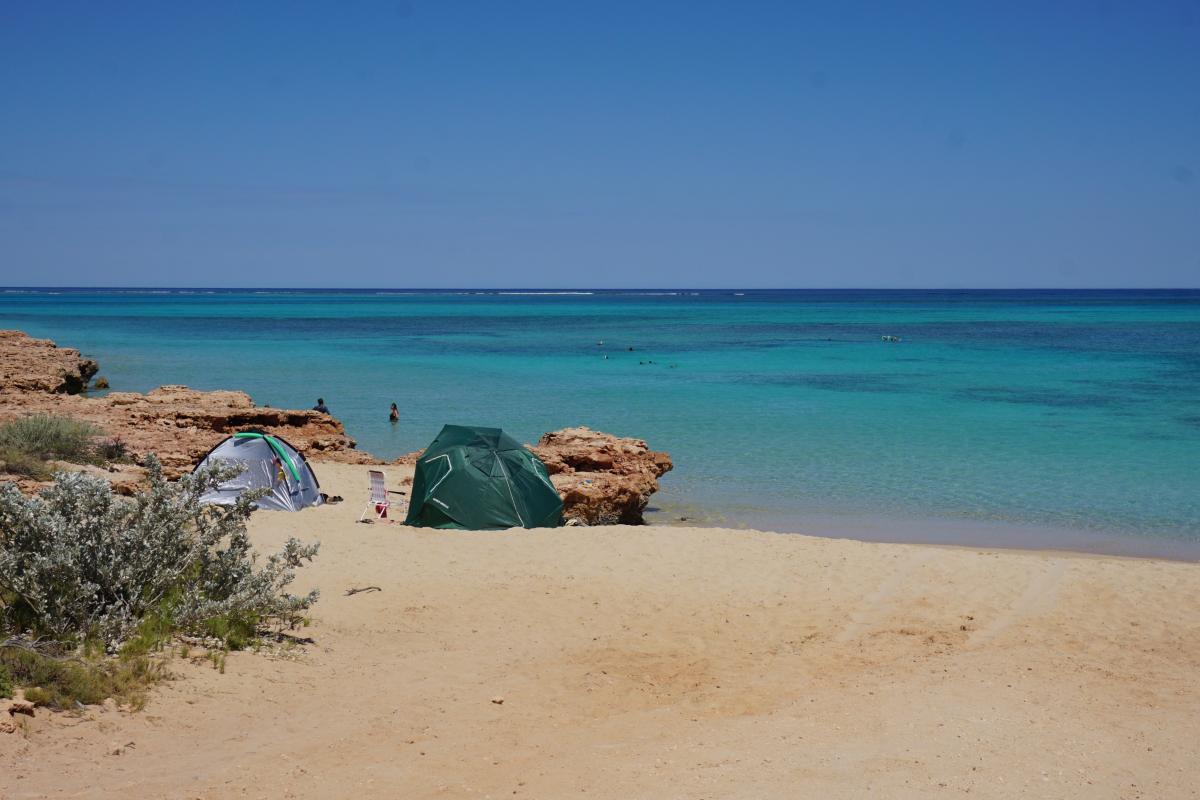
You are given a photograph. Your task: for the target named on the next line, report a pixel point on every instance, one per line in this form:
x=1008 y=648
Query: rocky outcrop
x=603 y=479
x=176 y=423
x=180 y=425
x=39 y=365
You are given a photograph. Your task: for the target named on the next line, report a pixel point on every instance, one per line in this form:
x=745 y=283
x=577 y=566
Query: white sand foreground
x=663 y=662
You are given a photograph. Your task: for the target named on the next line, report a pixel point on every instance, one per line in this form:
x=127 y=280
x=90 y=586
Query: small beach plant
x=18 y=462
x=47 y=436
x=29 y=444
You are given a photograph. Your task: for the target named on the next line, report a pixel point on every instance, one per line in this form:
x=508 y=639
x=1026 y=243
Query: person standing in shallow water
x=320 y=406
x=394 y=414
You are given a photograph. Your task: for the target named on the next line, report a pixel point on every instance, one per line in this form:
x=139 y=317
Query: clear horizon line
x=611 y=288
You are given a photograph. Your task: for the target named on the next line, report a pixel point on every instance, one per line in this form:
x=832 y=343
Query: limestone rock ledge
x=176 y=423
x=180 y=425
x=39 y=365
x=603 y=479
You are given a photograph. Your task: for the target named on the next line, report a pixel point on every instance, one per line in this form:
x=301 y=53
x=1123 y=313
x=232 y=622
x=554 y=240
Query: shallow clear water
x=1060 y=412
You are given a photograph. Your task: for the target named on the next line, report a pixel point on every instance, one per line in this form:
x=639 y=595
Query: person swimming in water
x=394 y=414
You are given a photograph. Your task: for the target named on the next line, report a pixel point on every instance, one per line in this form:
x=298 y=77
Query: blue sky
x=568 y=144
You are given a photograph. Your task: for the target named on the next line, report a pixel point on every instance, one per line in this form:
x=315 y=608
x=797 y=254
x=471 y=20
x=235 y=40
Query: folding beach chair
x=379 y=496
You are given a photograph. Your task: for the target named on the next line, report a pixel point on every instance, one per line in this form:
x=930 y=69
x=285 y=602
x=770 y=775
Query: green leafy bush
x=79 y=563
x=236 y=630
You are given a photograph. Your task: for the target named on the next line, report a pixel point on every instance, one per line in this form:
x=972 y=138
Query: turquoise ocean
x=1059 y=419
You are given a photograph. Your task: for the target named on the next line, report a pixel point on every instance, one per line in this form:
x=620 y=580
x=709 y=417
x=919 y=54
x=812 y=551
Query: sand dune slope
x=667 y=663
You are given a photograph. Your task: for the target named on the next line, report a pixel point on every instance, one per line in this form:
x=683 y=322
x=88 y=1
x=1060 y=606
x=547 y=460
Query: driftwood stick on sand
x=363 y=589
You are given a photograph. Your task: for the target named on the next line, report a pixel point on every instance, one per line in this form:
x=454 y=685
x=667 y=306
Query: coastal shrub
x=6 y=682
x=17 y=462
x=46 y=436
x=66 y=682
x=154 y=631
x=80 y=563
x=236 y=630
x=111 y=450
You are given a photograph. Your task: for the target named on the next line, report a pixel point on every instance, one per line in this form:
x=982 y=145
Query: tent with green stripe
x=481 y=479
x=268 y=462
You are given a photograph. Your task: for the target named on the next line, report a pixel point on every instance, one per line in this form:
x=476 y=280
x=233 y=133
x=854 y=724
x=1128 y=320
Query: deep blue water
x=1041 y=417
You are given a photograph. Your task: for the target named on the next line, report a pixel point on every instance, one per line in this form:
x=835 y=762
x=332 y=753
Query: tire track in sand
x=876 y=605
x=1038 y=596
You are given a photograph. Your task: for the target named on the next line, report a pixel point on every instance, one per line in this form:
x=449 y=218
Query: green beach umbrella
x=481 y=479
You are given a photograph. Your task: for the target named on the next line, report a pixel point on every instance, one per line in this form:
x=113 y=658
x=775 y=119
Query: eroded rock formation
x=180 y=425
x=39 y=365
x=176 y=423
x=603 y=479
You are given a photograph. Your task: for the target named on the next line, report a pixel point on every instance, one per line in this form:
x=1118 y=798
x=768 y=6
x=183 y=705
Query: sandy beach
x=850 y=353
x=663 y=662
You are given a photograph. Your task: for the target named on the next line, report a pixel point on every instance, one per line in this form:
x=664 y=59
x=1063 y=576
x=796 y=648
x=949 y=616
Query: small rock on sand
x=20 y=707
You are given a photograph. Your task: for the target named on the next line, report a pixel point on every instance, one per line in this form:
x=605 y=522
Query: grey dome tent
x=481 y=479
x=270 y=463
